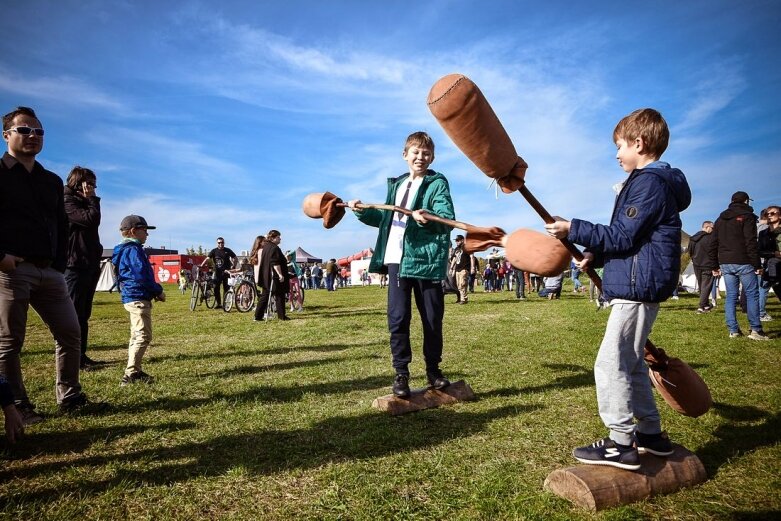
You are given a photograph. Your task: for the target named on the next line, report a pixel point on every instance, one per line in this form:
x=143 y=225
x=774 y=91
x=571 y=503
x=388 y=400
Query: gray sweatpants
x=623 y=386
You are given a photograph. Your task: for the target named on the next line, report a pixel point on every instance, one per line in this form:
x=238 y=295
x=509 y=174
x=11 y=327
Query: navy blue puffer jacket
x=641 y=249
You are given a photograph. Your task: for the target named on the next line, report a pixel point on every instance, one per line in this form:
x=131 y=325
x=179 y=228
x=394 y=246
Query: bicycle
x=242 y=293
x=203 y=291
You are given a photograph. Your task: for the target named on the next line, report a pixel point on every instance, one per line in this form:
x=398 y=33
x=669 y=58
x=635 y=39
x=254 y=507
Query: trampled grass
x=274 y=421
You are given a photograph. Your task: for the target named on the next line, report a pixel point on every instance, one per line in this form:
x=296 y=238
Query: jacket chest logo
x=631 y=212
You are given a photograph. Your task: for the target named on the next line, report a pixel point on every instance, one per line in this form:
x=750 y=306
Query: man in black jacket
x=734 y=250
x=703 y=270
x=33 y=235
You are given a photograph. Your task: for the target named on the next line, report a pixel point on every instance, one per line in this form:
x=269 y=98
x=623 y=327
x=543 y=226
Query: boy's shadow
x=333 y=440
x=736 y=439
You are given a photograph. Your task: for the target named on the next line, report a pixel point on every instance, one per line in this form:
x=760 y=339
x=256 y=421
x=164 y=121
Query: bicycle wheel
x=195 y=297
x=227 y=302
x=209 y=297
x=245 y=297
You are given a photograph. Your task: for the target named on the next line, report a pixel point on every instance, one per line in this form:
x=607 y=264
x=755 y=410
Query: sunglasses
x=26 y=131
x=773 y=213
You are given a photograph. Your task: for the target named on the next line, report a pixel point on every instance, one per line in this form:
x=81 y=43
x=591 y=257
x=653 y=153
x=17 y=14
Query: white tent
x=357 y=268
x=107 y=278
x=689 y=280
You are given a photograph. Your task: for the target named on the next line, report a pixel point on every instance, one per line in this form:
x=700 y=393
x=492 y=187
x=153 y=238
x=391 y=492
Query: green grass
x=274 y=420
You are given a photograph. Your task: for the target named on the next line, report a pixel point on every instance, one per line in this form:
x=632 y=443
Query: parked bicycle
x=203 y=291
x=242 y=293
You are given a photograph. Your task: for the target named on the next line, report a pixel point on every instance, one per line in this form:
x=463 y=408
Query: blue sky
x=218 y=118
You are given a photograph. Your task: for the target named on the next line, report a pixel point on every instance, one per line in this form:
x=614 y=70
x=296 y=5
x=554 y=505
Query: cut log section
x=596 y=487
x=424 y=399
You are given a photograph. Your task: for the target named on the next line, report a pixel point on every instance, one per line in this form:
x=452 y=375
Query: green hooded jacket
x=425 y=246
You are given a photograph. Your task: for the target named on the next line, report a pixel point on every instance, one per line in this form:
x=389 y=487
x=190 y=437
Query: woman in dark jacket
x=273 y=276
x=84 y=249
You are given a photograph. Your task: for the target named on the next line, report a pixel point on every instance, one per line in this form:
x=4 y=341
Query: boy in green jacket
x=413 y=252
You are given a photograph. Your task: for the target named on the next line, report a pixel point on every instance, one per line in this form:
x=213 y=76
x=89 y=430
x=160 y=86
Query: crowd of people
x=745 y=251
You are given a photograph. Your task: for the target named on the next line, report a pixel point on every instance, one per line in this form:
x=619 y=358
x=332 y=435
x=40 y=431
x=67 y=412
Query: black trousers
x=705 y=280
x=220 y=279
x=430 y=301
x=81 y=288
x=279 y=301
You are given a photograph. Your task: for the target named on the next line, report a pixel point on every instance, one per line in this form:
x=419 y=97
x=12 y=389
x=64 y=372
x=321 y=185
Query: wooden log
x=424 y=399
x=596 y=487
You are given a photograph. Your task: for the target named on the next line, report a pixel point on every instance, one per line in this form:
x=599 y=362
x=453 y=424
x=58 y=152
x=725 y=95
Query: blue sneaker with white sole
x=608 y=452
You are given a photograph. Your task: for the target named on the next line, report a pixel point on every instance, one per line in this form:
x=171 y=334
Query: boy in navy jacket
x=138 y=288
x=640 y=251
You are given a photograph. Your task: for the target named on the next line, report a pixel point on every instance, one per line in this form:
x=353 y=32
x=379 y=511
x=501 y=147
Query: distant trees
x=192 y=251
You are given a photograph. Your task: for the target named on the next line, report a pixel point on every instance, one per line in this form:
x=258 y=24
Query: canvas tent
x=107 y=278
x=302 y=257
x=689 y=280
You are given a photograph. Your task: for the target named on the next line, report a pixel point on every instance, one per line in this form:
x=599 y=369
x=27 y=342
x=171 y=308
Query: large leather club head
x=680 y=386
x=465 y=115
x=325 y=205
x=537 y=252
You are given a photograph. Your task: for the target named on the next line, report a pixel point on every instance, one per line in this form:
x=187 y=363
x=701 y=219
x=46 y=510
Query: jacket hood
x=697 y=236
x=676 y=180
x=735 y=210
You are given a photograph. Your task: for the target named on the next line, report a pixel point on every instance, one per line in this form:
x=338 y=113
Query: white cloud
x=723 y=82
x=60 y=88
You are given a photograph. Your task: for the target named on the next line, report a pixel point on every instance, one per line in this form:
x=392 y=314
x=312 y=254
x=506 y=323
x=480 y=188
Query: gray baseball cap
x=134 y=221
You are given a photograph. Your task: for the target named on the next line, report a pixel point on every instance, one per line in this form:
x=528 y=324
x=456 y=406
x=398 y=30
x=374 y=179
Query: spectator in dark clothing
x=734 y=250
x=770 y=252
x=699 y=243
x=33 y=240
x=274 y=279
x=14 y=426
x=84 y=250
x=223 y=259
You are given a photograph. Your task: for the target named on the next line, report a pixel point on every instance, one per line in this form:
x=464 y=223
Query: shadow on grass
x=106 y=347
x=736 y=439
x=348 y=313
x=53 y=443
x=769 y=515
x=282 y=366
x=583 y=377
x=252 y=352
x=263 y=394
x=334 y=440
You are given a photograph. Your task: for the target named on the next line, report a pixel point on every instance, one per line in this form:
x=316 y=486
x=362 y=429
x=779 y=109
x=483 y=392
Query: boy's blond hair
x=647 y=124
x=419 y=139
x=126 y=233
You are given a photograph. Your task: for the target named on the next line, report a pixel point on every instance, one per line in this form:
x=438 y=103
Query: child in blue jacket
x=641 y=254
x=138 y=288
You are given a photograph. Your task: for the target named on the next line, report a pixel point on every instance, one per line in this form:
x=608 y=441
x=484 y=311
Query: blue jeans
x=575 y=280
x=735 y=275
x=764 y=288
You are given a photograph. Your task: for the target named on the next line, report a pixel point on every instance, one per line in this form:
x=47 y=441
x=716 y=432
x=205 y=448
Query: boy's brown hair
x=419 y=139
x=647 y=124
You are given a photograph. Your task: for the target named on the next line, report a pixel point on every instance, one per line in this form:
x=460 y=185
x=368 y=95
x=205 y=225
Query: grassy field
x=274 y=421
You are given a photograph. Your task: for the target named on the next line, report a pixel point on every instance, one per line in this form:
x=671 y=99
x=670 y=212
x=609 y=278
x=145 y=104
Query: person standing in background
x=698 y=247
x=82 y=206
x=33 y=241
